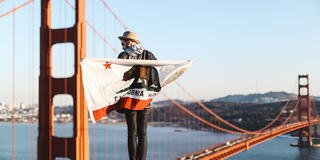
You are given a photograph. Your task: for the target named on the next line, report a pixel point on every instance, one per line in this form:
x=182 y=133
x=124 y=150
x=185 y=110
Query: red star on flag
x=107 y=65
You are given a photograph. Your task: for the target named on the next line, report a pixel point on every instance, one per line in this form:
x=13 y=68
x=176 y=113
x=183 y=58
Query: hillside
x=268 y=97
x=250 y=116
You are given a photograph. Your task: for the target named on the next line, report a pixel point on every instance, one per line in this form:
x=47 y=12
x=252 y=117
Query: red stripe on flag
x=133 y=104
x=127 y=103
x=98 y=114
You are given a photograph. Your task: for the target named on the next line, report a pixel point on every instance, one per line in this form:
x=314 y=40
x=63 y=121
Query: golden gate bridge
x=302 y=115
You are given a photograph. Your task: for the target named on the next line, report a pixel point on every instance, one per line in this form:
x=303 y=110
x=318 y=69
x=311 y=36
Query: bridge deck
x=238 y=145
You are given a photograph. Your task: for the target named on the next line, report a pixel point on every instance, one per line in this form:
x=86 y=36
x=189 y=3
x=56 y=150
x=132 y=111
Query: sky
x=237 y=46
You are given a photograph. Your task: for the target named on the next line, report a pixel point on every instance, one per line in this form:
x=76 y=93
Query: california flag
x=112 y=84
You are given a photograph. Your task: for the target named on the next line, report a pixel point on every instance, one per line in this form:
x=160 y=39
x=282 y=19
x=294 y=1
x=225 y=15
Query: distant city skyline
x=238 y=47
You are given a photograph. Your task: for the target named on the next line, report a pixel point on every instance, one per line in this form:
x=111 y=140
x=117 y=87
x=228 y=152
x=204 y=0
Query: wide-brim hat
x=130 y=36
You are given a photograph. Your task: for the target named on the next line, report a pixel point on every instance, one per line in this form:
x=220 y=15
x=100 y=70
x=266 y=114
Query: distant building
x=2 y=106
x=22 y=106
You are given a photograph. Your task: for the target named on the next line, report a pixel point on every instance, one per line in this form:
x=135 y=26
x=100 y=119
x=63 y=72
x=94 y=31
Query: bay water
x=110 y=142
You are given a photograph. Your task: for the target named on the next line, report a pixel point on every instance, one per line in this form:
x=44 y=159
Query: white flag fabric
x=112 y=84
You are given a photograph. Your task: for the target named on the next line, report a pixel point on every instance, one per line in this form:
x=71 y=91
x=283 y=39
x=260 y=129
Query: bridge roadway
x=238 y=145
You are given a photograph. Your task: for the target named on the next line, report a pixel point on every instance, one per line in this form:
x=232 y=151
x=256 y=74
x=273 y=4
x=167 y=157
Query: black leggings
x=137 y=127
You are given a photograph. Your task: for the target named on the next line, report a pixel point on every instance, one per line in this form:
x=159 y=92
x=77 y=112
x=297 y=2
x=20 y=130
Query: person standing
x=136 y=119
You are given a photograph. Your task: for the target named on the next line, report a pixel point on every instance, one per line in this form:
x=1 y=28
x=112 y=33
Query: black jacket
x=146 y=55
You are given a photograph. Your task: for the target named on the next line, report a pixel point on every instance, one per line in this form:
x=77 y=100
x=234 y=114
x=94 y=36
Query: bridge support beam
x=304 y=110
x=247 y=145
x=50 y=146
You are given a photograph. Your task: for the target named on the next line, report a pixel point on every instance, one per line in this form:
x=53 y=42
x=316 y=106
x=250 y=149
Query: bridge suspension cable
x=31 y=84
x=199 y=118
x=289 y=117
x=102 y=37
x=13 y=80
x=115 y=15
x=69 y=3
x=315 y=108
x=226 y=122
x=215 y=126
x=15 y=9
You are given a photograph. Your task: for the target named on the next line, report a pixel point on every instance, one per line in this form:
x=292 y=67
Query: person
x=136 y=119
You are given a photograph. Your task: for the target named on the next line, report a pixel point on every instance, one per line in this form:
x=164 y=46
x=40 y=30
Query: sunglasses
x=123 y=42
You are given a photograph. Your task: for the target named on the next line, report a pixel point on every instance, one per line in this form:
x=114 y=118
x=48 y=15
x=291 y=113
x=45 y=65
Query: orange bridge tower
x=50 y=146
x=304 y=110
